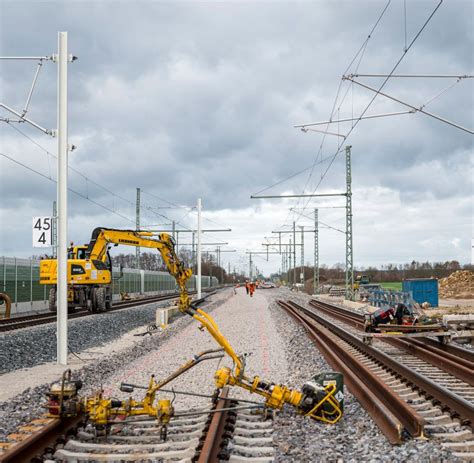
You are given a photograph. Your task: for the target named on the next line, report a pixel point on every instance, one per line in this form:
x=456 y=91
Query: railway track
x=16 y=323
x=448 y=360
x=221 y=430
x=358 y=321
x=402 y=392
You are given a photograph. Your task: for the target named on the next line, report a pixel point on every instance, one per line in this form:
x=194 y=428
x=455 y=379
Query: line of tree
x=414 y=269
x=388 y=272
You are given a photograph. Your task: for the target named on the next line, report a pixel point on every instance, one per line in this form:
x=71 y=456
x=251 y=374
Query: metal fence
x=388 y=298
x=19 y=278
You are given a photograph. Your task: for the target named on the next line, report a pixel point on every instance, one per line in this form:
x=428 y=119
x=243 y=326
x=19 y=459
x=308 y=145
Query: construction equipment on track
x=403 y=321
x=90 y=267
x=320 y=398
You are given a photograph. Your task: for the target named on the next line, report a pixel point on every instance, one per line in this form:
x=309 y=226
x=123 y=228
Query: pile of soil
x=459 y=285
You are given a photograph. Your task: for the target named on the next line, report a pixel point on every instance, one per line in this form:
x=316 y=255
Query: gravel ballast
x=355 y=438
x=278 y=349
x=28 y=347
x=25 y=406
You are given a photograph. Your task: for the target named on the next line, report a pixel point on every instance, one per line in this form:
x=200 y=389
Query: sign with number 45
x=42 y=232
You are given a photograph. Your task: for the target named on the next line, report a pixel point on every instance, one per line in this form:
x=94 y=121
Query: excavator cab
x=77 y=252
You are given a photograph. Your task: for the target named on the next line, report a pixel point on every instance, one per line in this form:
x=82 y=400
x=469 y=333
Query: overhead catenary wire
x=359 y=53
x=191 y=209
x=377 y=92
x=81 y=195
x=72 y=169
x=416 y=76
x=289 y=177
x=419 y=109
x=31 y=169
x=442 y=92
x=89 y=180
x=23 y=119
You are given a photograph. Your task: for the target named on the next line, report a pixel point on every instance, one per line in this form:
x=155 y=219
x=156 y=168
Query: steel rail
x=449 y=400
x=390 y=425
x=437 y=349
x=446 y=361
x=455 y=350
x=340 y=313
x=410 y=419
x=31 y=449
x=12 y=324
x=449 y=365
x=211 y=445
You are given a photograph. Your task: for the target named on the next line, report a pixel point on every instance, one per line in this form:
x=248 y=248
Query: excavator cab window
x=76 y=252
x=108 y=260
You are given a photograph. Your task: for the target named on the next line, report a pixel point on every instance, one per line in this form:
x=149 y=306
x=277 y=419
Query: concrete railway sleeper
x=456 y=404
x=446 y=360
x=223 y=430
x=434 y=345
x=445 y=415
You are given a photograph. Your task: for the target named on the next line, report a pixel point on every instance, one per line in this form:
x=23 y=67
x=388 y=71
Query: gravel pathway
x=244 y=321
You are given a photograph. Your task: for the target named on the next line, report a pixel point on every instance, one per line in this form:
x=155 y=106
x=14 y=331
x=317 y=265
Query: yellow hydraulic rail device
x=318 y=401
x=90 y=267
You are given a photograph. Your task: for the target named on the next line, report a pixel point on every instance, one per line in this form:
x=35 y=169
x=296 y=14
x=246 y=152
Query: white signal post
x=61 y=59
x=199 y=248
x=61 y=294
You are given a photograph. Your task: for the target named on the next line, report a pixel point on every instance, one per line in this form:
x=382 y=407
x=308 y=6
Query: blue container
x=422 y=290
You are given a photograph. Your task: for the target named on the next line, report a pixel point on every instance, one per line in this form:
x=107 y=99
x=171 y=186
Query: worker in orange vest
x=252 y=288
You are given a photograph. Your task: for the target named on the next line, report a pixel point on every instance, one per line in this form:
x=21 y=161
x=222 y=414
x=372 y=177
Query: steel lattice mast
x=349 y=248
x=316 y=255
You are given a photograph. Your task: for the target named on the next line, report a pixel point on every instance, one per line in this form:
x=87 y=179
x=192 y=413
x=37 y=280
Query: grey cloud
x=189 y=99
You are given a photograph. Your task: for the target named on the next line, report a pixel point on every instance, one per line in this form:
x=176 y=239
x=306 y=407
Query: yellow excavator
x=320 y=398
x=90 y=266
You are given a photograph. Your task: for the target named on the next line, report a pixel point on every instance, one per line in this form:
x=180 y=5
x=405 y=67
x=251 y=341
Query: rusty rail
x=459 y=352
x=390 y=425
x=450 y=401
x=212 y=444
x=388 y=410
x=47 y=436
x=15 y=323
x=450 y=363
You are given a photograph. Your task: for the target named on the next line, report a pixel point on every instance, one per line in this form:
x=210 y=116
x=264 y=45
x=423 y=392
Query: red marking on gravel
x=150 y=358
x=263 y=343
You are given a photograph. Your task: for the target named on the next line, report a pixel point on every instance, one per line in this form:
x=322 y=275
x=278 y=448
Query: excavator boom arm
x=101 y=237
x=310 y=403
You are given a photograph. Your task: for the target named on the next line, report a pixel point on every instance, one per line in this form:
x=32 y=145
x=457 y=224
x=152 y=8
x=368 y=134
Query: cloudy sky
x=192 y=99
